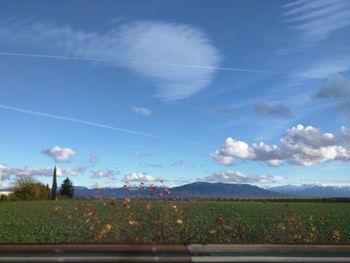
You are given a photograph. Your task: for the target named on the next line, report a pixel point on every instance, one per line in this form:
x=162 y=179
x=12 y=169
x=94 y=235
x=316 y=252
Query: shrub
x=28 y=189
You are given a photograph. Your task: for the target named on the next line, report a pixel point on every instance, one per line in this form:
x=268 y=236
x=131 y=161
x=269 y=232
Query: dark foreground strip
x=173 y=253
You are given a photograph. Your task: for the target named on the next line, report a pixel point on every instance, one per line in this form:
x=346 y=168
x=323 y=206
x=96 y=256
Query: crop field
x=174 y=221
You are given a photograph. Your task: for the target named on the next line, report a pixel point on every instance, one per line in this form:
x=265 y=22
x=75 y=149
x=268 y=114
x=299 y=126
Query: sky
x=173 y=92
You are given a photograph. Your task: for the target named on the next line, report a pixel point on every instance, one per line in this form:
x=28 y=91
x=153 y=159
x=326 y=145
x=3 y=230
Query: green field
x=159 y=221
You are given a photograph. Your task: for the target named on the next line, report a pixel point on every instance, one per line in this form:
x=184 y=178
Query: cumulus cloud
x=177 y=163
x=238 y=177
x=7 y=172
x=147 y=48
x=338 y=89
x=139 y=177
x=273 y=111
x=221 y=158
x=231 y=150
x=145 y=112
x=107 y=174
x=59 y=155
x=307 y=146
x=300 y=145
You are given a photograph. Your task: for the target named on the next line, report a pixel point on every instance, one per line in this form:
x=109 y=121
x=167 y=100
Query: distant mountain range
x=193 y=190
x=221 y=190
x=312 y=190
x=225 y=190
x=212 y=190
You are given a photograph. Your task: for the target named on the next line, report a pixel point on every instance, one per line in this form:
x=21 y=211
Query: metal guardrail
x=173 y=253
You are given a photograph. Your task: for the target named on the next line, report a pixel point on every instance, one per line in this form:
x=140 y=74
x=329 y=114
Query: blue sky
x=221 y=91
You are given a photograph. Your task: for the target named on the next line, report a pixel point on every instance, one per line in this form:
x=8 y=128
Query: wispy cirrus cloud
x=316 y=20
x=323 y=68
x=148 y=48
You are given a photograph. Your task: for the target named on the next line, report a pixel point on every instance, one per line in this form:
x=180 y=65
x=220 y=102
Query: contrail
x=99 y=125
x=137 y=62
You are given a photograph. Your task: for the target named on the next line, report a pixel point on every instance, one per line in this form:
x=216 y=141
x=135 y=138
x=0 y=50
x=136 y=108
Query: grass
x=174 y=221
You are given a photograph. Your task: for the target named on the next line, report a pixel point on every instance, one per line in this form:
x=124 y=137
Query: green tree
x=54 y=184
x=28 y=189
x=3 y=197
x=67 y=188
x=48 y=190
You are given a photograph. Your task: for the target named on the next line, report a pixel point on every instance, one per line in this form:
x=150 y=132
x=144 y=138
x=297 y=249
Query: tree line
x=26 y=188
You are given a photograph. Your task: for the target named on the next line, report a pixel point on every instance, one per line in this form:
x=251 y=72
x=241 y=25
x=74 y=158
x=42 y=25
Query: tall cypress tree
x=54 y=185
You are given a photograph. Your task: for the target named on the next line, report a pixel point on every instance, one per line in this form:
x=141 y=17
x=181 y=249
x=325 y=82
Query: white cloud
x=307 y=146
x=7 y=172
x=139 y=177
x=59 y=155
x=108 y=174
x=238 y=177
x=274 y=162
x=177 y=44
x=70 y=171
x=221 y=158
x=271 y=154
x=300 y=145
x=231 y=150
x=179 y=59
x=145 y=112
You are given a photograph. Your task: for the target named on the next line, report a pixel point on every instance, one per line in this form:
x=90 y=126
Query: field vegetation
x=174 y=221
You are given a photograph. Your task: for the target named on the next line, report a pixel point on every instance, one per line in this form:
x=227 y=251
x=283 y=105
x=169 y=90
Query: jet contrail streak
x=137 y=62
x=99 y=125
